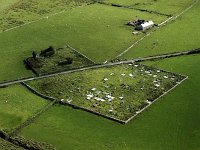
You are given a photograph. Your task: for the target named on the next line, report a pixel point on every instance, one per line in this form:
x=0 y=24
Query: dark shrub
x=32 y=63
x=3 y=134
x=48 y=52
x=34 y=55
x=68 y=61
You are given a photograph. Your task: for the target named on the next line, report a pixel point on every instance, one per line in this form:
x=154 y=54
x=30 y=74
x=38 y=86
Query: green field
x=18 y=12
x=16 y=105
x=99 y=32
x=180 y=35
x=161 y=6
x=171 y=123
x=6 y=4
x=97 y=35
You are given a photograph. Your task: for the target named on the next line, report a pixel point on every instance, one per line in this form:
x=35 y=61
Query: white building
x=145 y=25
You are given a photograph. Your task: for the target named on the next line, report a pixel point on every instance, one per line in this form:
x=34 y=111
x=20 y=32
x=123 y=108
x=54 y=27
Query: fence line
x=80 y=53
x=131 y=7
x=69 y=104
x=31 y=119
x=156 y=100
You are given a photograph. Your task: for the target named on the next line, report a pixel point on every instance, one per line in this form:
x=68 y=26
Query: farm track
x=150 y=58
x=173 y=18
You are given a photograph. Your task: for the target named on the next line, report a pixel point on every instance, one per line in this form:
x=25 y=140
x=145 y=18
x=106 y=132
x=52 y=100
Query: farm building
x=135 y=22
x=145 y=25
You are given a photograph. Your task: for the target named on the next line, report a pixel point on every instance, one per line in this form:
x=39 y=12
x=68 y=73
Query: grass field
x=117 y=91
x=16 y=105
x=6 y=4
x=182 y=34
x=161 y=6
x=171 y=123
x=98 y=35
x=18 y=12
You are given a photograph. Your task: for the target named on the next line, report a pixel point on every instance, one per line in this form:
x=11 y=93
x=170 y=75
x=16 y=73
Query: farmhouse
x=135 y=22
x=145 y=25
x=141 y=24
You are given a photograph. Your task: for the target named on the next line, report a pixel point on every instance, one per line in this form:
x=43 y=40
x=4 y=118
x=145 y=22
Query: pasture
x=16 y=105
x=97 y=35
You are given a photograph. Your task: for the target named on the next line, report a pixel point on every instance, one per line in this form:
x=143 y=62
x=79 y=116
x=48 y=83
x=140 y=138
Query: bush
x=68 y=61
x=3 y=135
x=48 y=52
x=33 y=63
x=34 y=55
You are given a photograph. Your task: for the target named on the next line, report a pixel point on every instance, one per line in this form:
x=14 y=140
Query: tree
x=34 y=54
x=48 y=52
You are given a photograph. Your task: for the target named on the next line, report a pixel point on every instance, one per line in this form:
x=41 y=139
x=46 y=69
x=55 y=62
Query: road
x=101 y=66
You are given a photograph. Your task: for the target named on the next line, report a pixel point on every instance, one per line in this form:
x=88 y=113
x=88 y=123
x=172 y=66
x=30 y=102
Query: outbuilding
x=145 y=25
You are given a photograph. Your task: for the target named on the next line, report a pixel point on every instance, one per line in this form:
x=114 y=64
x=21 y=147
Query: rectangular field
x=118 y=92
x=16 y=105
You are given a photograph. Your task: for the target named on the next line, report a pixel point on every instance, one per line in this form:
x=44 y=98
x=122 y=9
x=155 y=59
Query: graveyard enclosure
x=119 y=91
